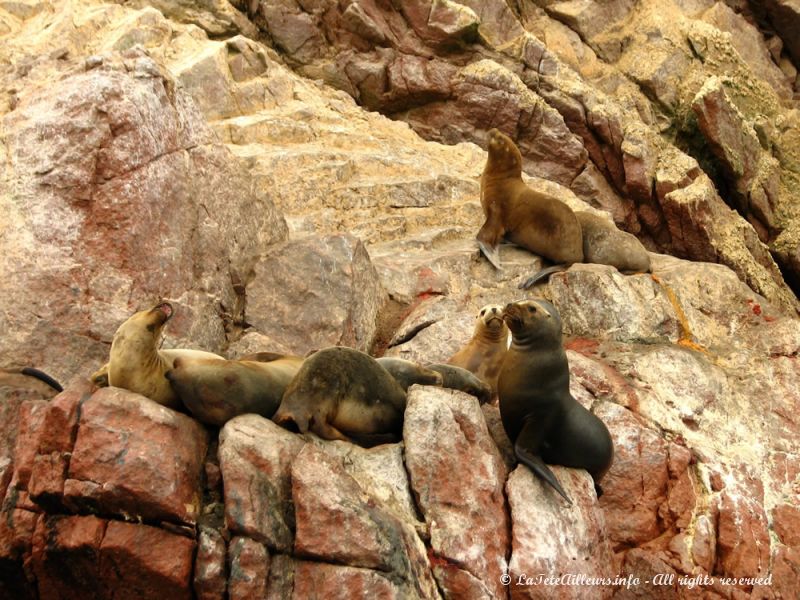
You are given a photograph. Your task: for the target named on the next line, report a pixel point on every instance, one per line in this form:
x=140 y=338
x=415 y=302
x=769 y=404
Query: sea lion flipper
x=264 y=357
x=541 y=274
x=100 y=377
x=42 y=376
x=492 y=254
x=328 y=432
x=537 y=465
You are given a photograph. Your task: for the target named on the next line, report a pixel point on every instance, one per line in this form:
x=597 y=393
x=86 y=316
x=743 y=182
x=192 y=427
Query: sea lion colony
x=341 y=393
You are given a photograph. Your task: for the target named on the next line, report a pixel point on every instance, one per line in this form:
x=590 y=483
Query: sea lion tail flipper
x=536 y=464
x=542 y=274
x=42 y=376
x=492 y=254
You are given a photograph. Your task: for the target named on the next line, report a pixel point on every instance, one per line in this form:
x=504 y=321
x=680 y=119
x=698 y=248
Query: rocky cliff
x=223 y=156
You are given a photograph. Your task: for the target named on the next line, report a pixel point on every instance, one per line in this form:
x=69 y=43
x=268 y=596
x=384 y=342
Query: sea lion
x=215 y=391
x=544 y=224
x=342 y=394
x=30 y=379
x=484 y=353
x=408 y=373
x=456 y=378
x=543 y=421
x=529 y=218
x=135 y=362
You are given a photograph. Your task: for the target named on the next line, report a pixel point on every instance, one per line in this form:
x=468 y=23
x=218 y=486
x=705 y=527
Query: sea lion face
x=504 y=156
x=491 y=318
x=143 y=329
x=532 y=319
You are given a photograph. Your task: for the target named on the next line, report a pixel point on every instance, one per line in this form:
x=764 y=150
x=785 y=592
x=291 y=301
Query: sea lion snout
x=165 y=308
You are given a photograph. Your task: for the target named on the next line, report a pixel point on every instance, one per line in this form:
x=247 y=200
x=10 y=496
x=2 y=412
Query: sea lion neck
x=535 y=340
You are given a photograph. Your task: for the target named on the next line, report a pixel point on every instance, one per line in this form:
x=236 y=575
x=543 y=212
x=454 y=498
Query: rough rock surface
x=166 y=150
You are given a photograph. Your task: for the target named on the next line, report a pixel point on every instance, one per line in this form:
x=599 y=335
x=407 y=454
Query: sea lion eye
x=483 y=312
x=531 y=309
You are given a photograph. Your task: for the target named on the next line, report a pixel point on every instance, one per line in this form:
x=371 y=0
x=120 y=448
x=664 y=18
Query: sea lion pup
x=456 y=378
x=544 y=422
x=135 y=362
x=529 y=218
x=342 y=394
x=485 y=352
x=19 y=377
x=408 y=373
x=215 y=390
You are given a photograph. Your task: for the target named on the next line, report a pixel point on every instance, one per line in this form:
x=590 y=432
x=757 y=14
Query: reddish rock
x=743 y=544
x=255 y=456
x=81 y=557
x=786 y=523
x=139 y=562
x=210 y=576
x=657 y=579
x=636 y=484
x=133 y=457
x=786 y=573
x=248 y=563
x=553 y=539
x=320 y=581
x=16 y=534
x=464 y=507
x=338 y=522
x=337 y=284
x=31 y=419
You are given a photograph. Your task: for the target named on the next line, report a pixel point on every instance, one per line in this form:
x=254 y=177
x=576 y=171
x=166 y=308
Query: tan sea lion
x=135 y=362
x=215 y=391
x=544 y=224
x=529 y=218
x=484 y=353
x=408 y=373
x=342 y=394
x=542 y=419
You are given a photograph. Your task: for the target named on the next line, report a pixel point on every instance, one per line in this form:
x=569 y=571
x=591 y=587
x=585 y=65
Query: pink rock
x=338 y=522
x=786 y=572
x=339 y=286
x=445 y=430
x=657 y=579
x=135 y=457
x=248 y=563
x=786 y=523
x=552 y=539
x=255 y=456
x=210 y=576
x=636 y=484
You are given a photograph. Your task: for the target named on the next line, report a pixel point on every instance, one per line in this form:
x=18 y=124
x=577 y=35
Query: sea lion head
x=504 y=156
x=533 y=321
x=144 y=328
x=490 y=323
x=297 y=419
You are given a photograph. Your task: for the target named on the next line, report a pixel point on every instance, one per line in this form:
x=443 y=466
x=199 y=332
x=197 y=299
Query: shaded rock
x=321 y=580
x=133 y=457
x=784 y=15
x=255 y=456
x=210 y=576
x=550 y=538
x=464 y=506
x=79 y=557
x=338 y=522
x=647 y=566
x=333 y=280
x=248 y=564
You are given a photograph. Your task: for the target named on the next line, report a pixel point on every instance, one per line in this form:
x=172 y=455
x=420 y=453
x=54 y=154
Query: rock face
x=165 y=149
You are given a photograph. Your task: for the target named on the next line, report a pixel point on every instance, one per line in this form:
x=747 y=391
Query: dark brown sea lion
x=456 y=378
x=529 y=218
x=342 y=394
x=408 y=373
x=542 y=419
x=485 y=352
x=215 y=391
x=135 y=362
